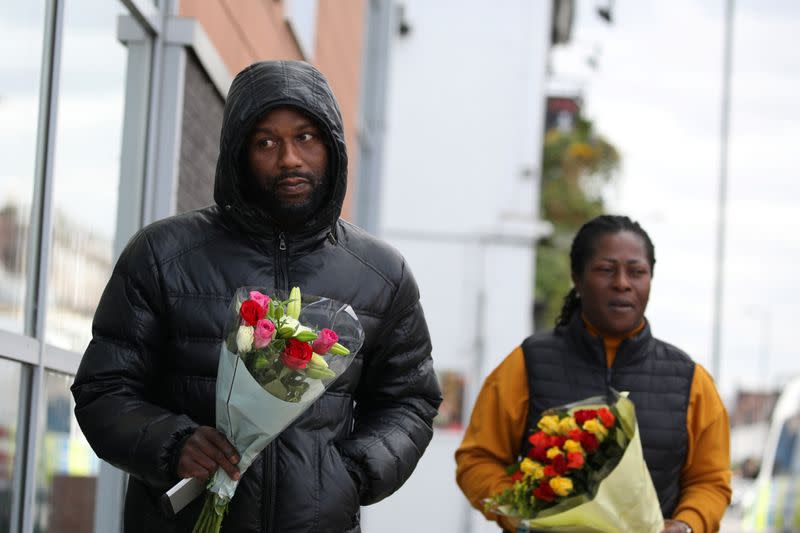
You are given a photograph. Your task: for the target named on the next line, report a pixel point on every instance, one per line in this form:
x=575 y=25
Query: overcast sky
x=656 y=94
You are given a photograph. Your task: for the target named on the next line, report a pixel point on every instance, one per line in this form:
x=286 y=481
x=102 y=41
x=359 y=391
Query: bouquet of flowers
x=276 y=359
x=584 y=472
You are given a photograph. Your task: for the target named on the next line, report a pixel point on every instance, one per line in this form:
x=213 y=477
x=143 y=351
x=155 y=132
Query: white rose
x=244 y=339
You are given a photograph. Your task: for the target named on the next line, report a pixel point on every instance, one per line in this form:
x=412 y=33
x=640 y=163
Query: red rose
x=297 y=354
x=251 y=312
x=560 y=464
x=539 y=453
x=575 y=434
x=544 y=492
x=557 y=441
x=518 y=475
x=606 y=417
x=589 y=442
x=539 y=439
x=575 y=460
x=582 y=415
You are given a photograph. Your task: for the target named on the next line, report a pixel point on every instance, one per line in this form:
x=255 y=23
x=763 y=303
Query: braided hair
x=583 y=248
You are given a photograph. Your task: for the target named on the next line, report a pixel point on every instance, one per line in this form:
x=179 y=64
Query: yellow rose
x=566 y=425
x=561 y=485
x=549 y=424
x=573 y=446
x=595 y=427
x=554 y=451
x=527 y=466
x=531 y=468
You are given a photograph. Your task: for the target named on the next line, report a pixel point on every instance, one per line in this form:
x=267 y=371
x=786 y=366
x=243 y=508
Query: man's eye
x=305 y=137
x=266 y=143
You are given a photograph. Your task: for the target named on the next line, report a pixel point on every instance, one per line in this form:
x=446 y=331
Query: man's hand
x=675 y=526
x=205 y=451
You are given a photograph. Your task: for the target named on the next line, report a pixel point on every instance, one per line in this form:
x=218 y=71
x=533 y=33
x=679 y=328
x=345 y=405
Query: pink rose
x=260 y=299
x=325 y=340
x=265 y=329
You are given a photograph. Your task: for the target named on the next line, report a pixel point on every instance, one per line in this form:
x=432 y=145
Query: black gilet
x=569 y=364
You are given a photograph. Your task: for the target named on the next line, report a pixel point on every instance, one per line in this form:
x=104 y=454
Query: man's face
x=287 y=158
x=615 y=285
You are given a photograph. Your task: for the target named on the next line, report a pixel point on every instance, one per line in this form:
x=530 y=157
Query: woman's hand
x=205 y=451
x=676 y=526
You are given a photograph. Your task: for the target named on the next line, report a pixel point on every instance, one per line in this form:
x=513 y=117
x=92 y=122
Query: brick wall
x=338 y=54
x=202 y=119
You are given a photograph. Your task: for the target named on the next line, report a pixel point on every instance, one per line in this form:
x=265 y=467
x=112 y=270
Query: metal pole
x=723 y=186
x=379 y=35
x=48 y=114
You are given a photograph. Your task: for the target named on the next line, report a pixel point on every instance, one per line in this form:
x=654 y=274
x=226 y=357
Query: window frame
x=29 y=347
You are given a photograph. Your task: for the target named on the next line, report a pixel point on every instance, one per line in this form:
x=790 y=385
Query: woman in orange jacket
x=602 y=340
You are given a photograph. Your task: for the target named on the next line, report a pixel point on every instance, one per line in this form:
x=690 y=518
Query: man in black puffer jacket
x=145 y=388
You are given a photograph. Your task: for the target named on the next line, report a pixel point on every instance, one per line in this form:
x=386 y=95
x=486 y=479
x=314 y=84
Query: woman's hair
x=583 y=248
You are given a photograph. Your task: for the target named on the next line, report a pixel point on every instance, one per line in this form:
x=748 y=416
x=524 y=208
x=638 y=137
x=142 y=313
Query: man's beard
x=293 y=216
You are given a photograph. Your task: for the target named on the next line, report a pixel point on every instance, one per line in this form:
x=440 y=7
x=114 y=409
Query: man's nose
x=289 y=156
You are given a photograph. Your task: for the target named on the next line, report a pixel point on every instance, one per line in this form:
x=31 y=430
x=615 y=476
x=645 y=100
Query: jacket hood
x=255 y=91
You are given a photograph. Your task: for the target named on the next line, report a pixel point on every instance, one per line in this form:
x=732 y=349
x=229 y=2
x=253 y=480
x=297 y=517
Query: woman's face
x=615 y=284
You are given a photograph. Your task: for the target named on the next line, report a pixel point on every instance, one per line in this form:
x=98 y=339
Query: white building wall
x=459 y=197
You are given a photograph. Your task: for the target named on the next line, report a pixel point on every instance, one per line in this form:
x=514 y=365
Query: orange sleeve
x=706 y=475
x=492 y=438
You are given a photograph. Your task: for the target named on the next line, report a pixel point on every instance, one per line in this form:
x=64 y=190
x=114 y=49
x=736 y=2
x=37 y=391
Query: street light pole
x=723 y=186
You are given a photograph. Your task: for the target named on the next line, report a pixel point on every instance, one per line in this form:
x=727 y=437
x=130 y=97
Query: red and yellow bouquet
x=584 y=471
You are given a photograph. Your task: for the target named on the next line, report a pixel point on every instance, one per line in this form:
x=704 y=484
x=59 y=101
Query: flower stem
x=210 y=519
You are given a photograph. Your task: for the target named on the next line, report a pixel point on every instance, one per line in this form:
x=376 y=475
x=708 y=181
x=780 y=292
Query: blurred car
x=773 y=503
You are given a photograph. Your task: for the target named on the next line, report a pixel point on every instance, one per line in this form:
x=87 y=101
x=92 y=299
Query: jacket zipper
x=271 y=458
x=609 y=370
x=266 y=498
x=282 y=264
x=269 y=466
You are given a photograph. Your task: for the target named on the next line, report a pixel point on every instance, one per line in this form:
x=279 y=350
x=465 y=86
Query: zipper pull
x=282 y=245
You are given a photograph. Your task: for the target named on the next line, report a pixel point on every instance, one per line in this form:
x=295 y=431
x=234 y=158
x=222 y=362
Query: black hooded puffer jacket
x=147 y=379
